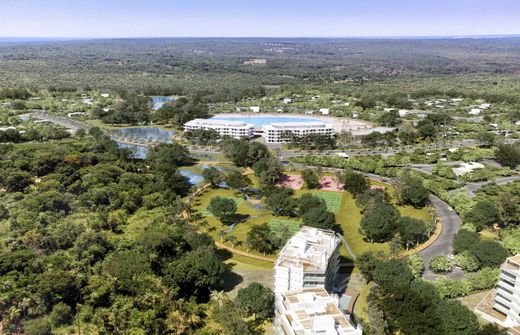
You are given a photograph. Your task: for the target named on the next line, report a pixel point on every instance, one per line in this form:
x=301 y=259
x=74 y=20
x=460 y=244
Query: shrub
x=464 y=240
x=60 y=314
x=440 y=264
x=467 y=261
x=416 y=264
x=449 y=288
x=511 y=240
x=489 y=253
x=484 y=279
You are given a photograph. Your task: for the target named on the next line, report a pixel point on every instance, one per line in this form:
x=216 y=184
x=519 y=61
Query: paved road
x=451 y=223
x=471 y=188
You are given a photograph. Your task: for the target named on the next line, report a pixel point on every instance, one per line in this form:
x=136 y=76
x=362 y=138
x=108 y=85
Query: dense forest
x=220 y=66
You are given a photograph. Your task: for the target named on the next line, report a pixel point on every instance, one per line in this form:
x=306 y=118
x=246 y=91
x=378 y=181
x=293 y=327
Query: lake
x=159 y=101
x=153 y=134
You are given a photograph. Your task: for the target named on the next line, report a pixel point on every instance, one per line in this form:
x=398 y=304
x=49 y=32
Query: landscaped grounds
x=278 y=226
x=293 y=181
x=342 y=204
x=330 y=183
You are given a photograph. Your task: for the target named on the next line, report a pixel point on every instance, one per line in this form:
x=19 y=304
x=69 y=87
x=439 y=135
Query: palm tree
x=232 y=239
x=222 y=233
x=219 y=297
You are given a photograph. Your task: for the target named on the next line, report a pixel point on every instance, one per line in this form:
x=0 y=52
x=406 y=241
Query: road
x=472 y=188
x=451 y=223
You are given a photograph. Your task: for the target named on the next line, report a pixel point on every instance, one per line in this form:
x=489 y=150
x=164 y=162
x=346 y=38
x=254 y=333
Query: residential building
x=309 y=259
x=236 y=129
x=287 y=101
x=475 y=111
x=325 y=111
x=255 y=109
x=507 y=299
x=281 y=132
x=311 y=311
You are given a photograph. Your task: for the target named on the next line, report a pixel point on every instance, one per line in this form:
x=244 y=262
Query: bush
x=511 y=240
x=440 y=264
x=464 y=240
x=489 y=253
x=61 y=314
x=449 y=288
x=484 y=279
x=467 y=261
x=40 y=326
x=416 y=265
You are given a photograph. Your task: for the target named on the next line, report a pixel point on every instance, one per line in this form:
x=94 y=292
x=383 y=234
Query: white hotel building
x=277 y=132
x=507 y=299
x=311 y=311
x=309 y=259
x=236 y=129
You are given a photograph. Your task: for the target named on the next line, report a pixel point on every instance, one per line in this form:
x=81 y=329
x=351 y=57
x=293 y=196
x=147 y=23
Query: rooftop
x=314 y=311
x=299 y=125
x=310 y=248
x=217 y=123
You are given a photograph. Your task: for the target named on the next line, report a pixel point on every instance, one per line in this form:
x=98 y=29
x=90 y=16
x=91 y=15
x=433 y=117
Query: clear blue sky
x=293 y=18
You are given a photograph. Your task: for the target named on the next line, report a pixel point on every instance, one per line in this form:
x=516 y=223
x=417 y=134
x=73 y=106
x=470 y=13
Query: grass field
x=332 y=199
x=277 y=226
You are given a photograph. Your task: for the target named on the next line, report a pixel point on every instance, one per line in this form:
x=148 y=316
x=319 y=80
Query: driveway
x=451 y=223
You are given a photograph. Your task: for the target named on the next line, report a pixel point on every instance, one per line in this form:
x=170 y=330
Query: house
x=287 y=101
x=485 y=106
x=88 y=102
x=255 y=109
x=324 y=111
x=105 y=95
x=76 y=114
x=389 y=109
x=355 y=115
x=475 y=111
x=403 y=112
x=308 y=112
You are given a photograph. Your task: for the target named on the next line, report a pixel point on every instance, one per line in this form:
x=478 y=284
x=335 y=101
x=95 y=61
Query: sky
x=257 y=18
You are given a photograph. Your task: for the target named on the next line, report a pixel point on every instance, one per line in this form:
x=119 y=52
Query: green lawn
x=332 y=199
x=277 y=226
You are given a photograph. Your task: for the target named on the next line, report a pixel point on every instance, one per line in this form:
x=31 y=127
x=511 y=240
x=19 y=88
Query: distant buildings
x=475 y=111
x=255 y=109
x=324 y=111
x=287 y=101
x=236 y=129
x=281 y=132
x=309 y=259
x=310 y=311
x=256 y=61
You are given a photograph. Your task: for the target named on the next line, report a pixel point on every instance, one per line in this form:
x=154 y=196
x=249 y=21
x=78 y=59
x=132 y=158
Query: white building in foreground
x=279 y=132
x=507 y=300
x=309 y=259
x=236 y=129
x=310 y=311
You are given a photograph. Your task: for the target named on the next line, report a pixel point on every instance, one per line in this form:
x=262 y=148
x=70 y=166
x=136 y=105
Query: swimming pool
x=262 y=120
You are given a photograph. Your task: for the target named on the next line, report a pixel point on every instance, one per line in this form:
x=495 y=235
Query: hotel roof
x=310 y=249
x=217 y=123
x=302 y=125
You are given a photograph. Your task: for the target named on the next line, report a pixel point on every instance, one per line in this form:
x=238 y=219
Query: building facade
x=309 y=259
x=310 y=311
x=507 y=299
x=236 y=129
x=281 y=132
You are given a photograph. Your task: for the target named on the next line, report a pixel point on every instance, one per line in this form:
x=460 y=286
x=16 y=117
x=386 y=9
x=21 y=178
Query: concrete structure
x=507 y=300
x=282 y=131
x=310 y=311
x=236 y=129
x=309 y=259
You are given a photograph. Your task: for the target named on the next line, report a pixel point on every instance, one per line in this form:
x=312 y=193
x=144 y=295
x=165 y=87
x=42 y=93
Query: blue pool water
x=159 y=101
x=258 y=120
x=193 y=178
x=148 y=133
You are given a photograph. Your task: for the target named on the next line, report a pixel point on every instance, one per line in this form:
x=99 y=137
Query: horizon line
x=450 y=36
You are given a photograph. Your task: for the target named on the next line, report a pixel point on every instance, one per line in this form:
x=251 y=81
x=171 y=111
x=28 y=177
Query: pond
x=262 y=120
x=152 y=134
x=193 y=178
x=159 y=101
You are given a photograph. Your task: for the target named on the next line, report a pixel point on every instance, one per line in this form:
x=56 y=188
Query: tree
x=379 y=224
x=467 y=261
x=255 y=300
x=212 y=175
x=370 y=199
x=416 y=264
x=40 y=326
x=230 y=318
x=261 y=238
x=309 y=201
x=440 y=264
x=426 y=128
x=61 y=315
x=483 y=214
x=17 y=181
x=127 y=267
x=237 y=180
x=354 y=182
x=164 y=160
x=222 y=208
x=457 y=319
x=489 y=253
x=409 y=190
x=196 y=273
x=319 y=217
x=508 y=155
x=311 y=178
x=367 y=263
x=412 y=231
x=464 y=239
x=491 y=329
x=281 y=202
